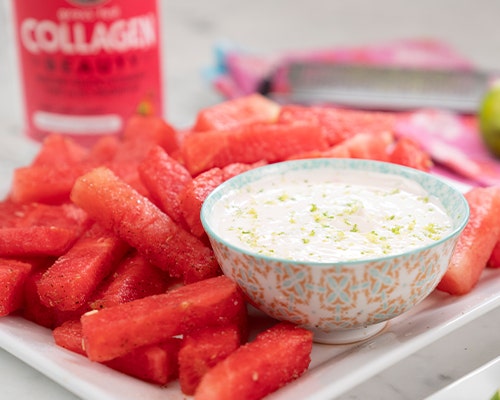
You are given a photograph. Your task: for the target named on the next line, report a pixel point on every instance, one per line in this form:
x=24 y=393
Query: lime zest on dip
x=331 y=217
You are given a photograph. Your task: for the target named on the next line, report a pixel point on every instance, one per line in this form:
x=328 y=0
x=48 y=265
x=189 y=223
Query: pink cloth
x=454 y=142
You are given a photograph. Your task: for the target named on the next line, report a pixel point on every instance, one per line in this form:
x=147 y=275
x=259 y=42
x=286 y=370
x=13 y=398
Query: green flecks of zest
x=340 y=236
x=284 y=197
x=353 y=208
x=373 y=237
x=396 y=229
x=431 y=228
x=387 y=249
x=433 y=231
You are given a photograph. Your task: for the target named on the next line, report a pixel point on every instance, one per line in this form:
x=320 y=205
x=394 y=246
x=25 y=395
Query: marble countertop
x=190 y=30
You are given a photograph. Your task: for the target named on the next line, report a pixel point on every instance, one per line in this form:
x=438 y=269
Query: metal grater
x=386 y=88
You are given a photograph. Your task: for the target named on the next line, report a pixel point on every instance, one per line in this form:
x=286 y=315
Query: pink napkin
x=452 y=140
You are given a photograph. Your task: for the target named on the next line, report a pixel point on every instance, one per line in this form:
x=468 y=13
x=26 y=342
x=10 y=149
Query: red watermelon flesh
x=233 y=113
x=476 y=243
x=115 y=331
x=276 y=357
x=249 y=144
x=136 y=220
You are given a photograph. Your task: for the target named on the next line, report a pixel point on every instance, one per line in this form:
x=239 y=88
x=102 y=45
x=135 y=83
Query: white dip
x=331 y=216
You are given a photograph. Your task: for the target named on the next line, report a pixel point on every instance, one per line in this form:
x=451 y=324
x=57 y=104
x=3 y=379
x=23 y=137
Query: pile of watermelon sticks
x=103 y=243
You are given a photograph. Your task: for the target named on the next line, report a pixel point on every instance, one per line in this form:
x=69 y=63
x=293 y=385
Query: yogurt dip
x=331 y=216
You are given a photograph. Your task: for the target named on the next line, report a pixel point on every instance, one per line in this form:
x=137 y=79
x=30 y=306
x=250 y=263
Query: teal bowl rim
x=255 y=174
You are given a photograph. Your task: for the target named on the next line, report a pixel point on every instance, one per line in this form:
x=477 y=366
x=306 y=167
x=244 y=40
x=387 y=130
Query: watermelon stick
x=68 y=283
x=115 y=331
x=134 y=218
x=276 y=357
x=476 y=243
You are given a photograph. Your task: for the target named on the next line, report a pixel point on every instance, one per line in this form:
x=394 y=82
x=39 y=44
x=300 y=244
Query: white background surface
x=190 y=29
x=480 y=383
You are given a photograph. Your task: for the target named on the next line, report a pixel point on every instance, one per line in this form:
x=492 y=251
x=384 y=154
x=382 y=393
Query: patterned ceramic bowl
x=340 y=300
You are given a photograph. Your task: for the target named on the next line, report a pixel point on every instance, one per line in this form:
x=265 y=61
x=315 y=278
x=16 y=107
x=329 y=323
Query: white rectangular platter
x=334 y=368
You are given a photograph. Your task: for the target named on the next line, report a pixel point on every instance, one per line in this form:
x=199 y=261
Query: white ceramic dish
x=350 y=364
x=480 y=384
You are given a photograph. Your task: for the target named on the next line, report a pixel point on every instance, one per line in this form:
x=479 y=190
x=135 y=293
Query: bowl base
x=344 y=336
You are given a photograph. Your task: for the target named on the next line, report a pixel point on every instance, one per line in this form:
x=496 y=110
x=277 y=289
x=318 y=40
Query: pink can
x=87 y=65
